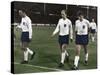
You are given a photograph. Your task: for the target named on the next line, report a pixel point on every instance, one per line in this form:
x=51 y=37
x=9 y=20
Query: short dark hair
x=80 y=13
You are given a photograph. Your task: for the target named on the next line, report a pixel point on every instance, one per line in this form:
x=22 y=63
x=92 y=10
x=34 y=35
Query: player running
x=64 y=27
x=93 y=30
x=81 y=29
x=26 y=36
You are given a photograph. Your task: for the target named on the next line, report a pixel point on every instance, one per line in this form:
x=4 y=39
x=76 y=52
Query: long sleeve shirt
x=64 y=27
x=26 y=25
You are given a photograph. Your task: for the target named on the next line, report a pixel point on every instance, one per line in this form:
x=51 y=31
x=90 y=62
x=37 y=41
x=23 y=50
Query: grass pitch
x=47 y=51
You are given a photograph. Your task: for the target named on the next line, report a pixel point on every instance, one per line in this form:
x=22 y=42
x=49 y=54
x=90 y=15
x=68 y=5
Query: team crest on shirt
x=64 y=25
x=83 y=26
x=23 y=23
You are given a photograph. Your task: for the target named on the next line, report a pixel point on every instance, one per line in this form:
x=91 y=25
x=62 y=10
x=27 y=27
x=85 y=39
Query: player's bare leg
x=86 y=54
x=93 y=37
x=25 y=53
x=76 y=60
x=66 y=52
x=32 y=53
x=63 y=54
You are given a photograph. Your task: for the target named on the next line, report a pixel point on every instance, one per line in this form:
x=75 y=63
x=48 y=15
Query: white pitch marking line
x=40 y=67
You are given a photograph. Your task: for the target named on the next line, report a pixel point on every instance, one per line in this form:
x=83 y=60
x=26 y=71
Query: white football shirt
x=64 y=27
x=26 y=25
x=82 y=27
x=93 y=25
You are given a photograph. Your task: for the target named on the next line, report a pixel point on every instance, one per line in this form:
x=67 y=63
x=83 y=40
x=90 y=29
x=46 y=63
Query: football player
x=93 y=30
x=26 y=36
x=81 y=29
x=64 y=27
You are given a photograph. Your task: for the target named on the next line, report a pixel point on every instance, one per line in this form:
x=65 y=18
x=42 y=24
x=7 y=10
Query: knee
x=63 y=48
x=77 y=50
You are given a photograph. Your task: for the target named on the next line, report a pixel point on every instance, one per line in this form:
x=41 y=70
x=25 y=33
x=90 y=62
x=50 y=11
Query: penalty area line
x=40 y=67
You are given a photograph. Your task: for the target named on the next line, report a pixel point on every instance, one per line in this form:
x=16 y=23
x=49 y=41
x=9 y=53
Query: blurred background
x=49 y=14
